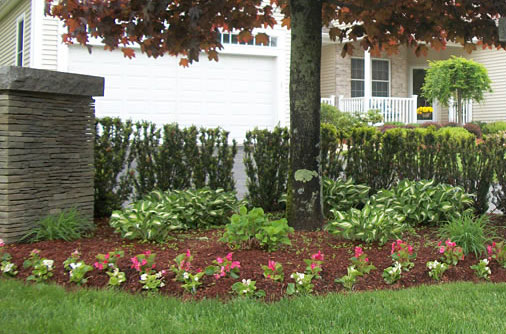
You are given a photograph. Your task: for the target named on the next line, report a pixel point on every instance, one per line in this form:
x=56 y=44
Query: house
x=248 y=87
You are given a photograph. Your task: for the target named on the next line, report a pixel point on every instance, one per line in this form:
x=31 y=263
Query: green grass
x=449 y=308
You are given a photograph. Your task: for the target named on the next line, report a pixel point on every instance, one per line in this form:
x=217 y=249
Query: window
x=380 y=77
x=20 y=40
x=228 y=38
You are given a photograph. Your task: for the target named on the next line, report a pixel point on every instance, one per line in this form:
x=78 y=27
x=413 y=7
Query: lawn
x=445 y=308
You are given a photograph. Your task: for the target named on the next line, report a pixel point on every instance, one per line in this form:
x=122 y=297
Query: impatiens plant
x=436 y=269
x=42 y=268
x=116 y=277
x=224 y=267
x=274 y=271
x=247 y=288
x=108 y=261
x=144 y=263
x=361 y=262
x=152 y=280
x=303 y=284
x=7 y=268
x=350 y=278
x=392 y=274
x=77 y=268
x=451 y=254
x=314 y=265
x=482 y=269
x=183 y=265
x=403 y=253
x=497 y=251
x=192 y=281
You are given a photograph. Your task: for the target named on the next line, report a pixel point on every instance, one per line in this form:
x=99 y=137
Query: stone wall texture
x=46 y=151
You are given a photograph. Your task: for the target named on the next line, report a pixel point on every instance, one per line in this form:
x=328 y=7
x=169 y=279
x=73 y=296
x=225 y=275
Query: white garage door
x=236 y=93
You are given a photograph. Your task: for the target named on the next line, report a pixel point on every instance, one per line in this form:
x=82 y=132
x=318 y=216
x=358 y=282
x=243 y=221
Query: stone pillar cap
x=26 y=79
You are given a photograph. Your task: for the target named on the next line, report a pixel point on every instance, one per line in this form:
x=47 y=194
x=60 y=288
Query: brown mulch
x=205 y=247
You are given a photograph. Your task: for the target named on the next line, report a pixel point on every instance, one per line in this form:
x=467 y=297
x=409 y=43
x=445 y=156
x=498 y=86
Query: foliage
x=274 y=271
x=497 y=251
x=369 y=224
x=345 y=122
x=163 y=212
x=152 y=281
x=266 y=180
x=454 y=133
x=436 y=125
x=247 y=288
x=42 y=268
x=468 y=232
x=361 y=262
x=314 y=265
x=451 y=254
x=494 y=127
x=191 y=281
x=403 y=253
x=224 y=267
x=113 y=184
x=424 y=202
x=474 y=129
x=499 y=163
x=392 y=274
x=7 y=268
x=116 y=277
x=144 y=263
x=458 y=78
x=249 y=227
x=350 y=278
x=436 y=269
x=303 y=284
x=332 y=148
x=77 y=268
x=183 y=265
x=343 y=195
x=108 y=261
x=482 y=270
x=68 y=225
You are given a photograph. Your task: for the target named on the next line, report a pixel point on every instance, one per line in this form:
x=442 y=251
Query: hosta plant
x=350 y=278
x=7 y=268
x=392 y=274
x=424 y=202
x=342 y=195
x=303 y=284
x=451 y=254
x=368 y=225
x=42 y=268
x=482 y=270
x=314 y=264
x=77 y=268
x=497 y=251
x=436 y=269
x=361 y=262
x=274 y=271
x=247 y=288
x=403 y=253
x=224 y=267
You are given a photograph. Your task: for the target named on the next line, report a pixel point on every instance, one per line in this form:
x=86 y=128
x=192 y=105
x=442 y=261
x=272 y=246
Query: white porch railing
x=329 y=100
x=393 y=109
x=467 y=111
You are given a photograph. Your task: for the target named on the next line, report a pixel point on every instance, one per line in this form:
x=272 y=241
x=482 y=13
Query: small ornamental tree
x=187 y=27
x=456 y=78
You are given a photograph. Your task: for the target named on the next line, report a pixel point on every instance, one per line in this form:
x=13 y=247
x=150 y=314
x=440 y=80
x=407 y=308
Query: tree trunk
x=460 y=113
x=304 y=205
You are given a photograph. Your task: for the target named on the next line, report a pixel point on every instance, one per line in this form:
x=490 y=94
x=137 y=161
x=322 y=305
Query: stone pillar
x=46 y=146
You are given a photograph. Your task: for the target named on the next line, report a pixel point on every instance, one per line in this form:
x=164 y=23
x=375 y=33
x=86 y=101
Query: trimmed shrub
x=332 y=145
x=436 y=125
x=474 y=129
x=266 y=161
x=494 y=127
x=499 y=163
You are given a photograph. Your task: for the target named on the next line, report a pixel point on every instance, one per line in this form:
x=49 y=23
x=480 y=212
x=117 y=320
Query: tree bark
x=460 y=113
x=304 y=205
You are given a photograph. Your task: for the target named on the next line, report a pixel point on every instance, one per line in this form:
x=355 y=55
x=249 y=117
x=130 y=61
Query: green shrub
x=113 y=184
x=368 y=225
x=498 y=144
x=68 y=225
x=455 y=133
x=266 y=163
x=343 y=121
x=159 y=213
x=424 y=202
x=342 y=195
x=252 y=227
x=331 y=150
x=494 y=127
x=467 y=232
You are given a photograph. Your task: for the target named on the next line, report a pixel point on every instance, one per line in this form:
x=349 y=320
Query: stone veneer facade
x=46 y=146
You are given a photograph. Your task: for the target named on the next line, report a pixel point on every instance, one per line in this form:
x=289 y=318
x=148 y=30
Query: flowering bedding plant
x=152 y=280
x=42 y=267
x=224 y=267
x=436 y=269
x=274 y=271
x=183 y=265
x=392 y=274
x=144 y=263
x=108 y=261
x=403 y=253
x=116 y=277
x=451 y=254
x=191 y=281
x=303 y=284
x=247 y=288
x=497 y=251
x=350 y=278
x=421 y=110
x=7 y=268
x=361 y=262
x=482 y=270
x=77 y=268
x=314 y=265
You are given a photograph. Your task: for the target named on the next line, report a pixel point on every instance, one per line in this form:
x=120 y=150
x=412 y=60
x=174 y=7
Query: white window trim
x=16 y=51
x=389 y=73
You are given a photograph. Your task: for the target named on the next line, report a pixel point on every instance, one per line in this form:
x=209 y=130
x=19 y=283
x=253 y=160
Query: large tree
x=188 y=27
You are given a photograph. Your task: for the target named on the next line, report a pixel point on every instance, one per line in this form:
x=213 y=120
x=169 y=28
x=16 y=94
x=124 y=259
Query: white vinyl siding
x=48 y=52
x=493 y=108
x=328 y=71
x=8 y=28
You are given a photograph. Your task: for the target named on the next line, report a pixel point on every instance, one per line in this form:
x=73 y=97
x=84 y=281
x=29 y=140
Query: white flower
x=48 y=263
x=71 y=273
x=244 y=281
x=489 y=271
x=8 y=267
x=162 y=285
x=186 y=275
x=248 y=282
x=291 y=276
x=76 y=265
x=196 y=278
x=485 y=261
x=244 y=291
x=144 y=277
x=158 y=275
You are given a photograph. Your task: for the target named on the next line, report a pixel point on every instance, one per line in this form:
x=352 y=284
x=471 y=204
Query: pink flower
x=153 y=266
x=147 y=253
x=393 y=248
x=188 y=254
x=229 y=256
x=441 y=250
x=410 y=249
x=235 y=264
x=493 y=244
x=2 y=243
x=358 y=251
x=313 y=265
x=272 y=265
x=35 y=252
x=98 y=265
x=107 y=256
x=144 y=262
x=318 y=256
x=74 y=253
x=219 y=260
x=366 y=259
x=489 y=249
x=199 y=270
x=163 y=272
x=462 y=258
x=439 y=244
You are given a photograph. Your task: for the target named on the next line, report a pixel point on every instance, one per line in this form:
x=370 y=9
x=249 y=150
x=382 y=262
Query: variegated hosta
x=424 y=202
x=343 y=195
x=369 y=224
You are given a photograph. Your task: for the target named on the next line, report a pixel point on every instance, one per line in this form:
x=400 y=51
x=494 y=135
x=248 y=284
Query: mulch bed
x=205 y=247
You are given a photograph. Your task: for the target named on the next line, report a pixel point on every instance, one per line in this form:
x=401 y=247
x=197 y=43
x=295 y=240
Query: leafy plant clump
x=248 y=228
x=343 y=195
x=468 y=232
x=159 y=213
x=69 y=225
